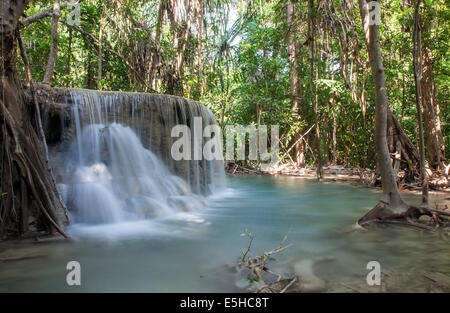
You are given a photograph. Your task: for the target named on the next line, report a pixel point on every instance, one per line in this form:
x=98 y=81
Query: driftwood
x=303 y=278
x=234 y=168
x=258 y=267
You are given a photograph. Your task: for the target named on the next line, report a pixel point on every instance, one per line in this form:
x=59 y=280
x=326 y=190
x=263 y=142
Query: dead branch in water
x=289 y=285
x=258 y=265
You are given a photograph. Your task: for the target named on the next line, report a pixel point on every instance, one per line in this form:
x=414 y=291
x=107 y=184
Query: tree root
x=28 y=187
x=384 y=213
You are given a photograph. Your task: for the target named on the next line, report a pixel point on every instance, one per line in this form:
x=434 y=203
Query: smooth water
x=113 y=178
x=151 y=118
x=188 y=251
x=115 y=163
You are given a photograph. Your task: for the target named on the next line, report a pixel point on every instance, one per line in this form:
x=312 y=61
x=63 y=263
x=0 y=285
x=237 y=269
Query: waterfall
x=117 y=161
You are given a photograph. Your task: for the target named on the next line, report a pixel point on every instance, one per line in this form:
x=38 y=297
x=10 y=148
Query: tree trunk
x=313 y=99
x=431 y=109
x=294 y=82
x=54 y=46
x=100 y=55
x=69 y=56
x=391 y=208
x=26 y=183
x=417 y=66
x=200 y=15
x=181 y=28
x=155 y=65
x=334 y=135
x=391 y=194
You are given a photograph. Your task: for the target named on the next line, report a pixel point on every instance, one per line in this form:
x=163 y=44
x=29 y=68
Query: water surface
x=188 y=252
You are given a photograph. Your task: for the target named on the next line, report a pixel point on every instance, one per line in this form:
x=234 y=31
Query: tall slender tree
x=312 y=97
x=434 y=139
x=391 y=196
x=417 y=67
x=294 y=82
x=54 y=45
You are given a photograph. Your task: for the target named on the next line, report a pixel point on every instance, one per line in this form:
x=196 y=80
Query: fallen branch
x=289 y=285
x=257 y=265
x=295 y=143
x=242 y=169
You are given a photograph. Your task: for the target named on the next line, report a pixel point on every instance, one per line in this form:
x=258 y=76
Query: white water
x=151 y=117
x=116 y=179
x=110 y=177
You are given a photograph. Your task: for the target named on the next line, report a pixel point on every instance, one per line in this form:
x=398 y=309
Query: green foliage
x=240 y=67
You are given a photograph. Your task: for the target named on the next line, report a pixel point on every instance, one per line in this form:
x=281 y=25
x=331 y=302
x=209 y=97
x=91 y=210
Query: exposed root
x=384 y=213
x=26 y=183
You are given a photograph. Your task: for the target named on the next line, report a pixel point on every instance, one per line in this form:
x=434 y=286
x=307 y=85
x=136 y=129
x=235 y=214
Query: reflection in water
x=188 y=251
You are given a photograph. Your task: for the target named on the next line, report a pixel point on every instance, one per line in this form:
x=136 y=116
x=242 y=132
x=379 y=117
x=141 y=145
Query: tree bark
x=312 y=97
x=181 y=29
x=24 y=176
x=417 y=66
x=200 y=16
x=294 y=81
x=54 y=46
x=391 y=194
x=155 y=60
x=100 y=54
x=431 y=109
x=391 y=208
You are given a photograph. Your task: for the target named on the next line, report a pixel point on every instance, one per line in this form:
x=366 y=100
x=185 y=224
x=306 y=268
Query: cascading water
x=117 y=166
x=116 y=178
